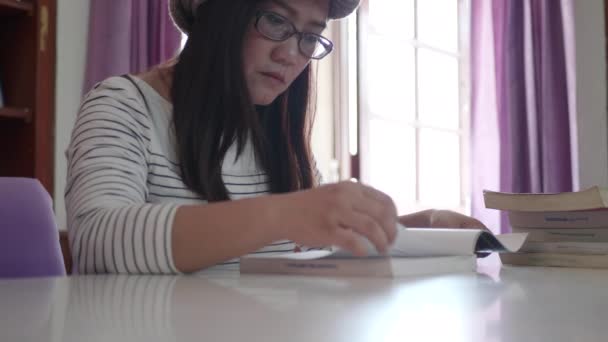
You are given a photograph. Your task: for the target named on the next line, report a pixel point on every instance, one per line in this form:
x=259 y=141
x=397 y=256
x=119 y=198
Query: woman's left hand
x=452 y=219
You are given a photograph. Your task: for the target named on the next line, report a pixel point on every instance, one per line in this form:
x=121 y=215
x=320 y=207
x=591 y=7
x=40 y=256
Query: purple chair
x=29 y=240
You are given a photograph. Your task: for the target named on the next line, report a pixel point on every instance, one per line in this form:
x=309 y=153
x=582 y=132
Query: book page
x=507 y=242
x=424 y=242
x=434 y=242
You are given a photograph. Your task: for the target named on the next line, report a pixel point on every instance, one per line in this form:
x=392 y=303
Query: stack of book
x=564 y=229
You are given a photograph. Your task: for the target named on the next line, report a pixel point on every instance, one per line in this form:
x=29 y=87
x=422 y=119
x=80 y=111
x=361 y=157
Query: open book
x=416 y=251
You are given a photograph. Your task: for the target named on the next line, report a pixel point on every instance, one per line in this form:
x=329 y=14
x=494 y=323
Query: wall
x=72 y=30
x=323 y=129
x=591 y=110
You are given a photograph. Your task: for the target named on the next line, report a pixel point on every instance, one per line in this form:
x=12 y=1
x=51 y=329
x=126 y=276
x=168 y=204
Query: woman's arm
x=111 y=227
x=341 y=214
x=205 y=235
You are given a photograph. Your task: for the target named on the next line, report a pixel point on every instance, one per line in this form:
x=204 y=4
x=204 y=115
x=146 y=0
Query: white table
x=508 y=304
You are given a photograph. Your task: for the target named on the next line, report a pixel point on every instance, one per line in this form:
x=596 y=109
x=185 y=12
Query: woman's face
x=271 y=66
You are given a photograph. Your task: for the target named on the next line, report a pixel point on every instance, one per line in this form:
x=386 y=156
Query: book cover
x=564 y=234
x=592 y=198
x=555 y=260
x=565 y=247
x=415 y=251
x=559 y=219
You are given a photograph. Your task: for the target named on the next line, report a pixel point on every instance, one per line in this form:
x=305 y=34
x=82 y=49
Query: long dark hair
x=212 y=108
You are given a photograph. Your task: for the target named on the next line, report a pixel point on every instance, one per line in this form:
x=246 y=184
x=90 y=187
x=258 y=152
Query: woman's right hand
x=342 y=215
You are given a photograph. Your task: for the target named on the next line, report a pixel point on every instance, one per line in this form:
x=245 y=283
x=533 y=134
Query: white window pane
x=392 y=161
x=438 y=89
x=392 y=17
x=390 y=69
x=438 y=23
x=439 y=168
x=183 y=41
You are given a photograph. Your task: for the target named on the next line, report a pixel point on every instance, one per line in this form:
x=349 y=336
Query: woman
x=155 y=158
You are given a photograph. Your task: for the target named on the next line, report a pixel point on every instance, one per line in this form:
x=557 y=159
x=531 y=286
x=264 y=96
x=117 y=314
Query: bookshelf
x=27 y=76
x=12 y=7
x=16 y=113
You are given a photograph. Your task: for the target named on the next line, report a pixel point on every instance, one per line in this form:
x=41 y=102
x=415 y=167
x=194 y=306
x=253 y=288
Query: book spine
x=373 y=267
x=585 y=248
x=564 y=234
x=555 y=260
x=328 y=267
x=564 y=219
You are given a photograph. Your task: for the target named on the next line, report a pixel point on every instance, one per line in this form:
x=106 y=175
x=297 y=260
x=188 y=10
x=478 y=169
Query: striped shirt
x=124 y=187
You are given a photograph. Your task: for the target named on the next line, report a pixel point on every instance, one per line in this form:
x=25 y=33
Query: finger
x=385 y=199
x=382 y=208
x=368 y=228
x=350 y=241
x=375 y=194
x=375 y=211
x=473 y=224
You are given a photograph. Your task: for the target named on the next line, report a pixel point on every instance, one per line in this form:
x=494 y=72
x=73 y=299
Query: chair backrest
x=29 y=240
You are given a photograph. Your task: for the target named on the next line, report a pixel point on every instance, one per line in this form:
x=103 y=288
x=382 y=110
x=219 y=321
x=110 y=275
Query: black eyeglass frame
x=328 y=44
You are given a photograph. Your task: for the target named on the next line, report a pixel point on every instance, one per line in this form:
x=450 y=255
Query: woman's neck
x=160 y=79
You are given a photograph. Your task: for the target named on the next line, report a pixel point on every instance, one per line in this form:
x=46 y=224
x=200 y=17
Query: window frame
x=353 y=117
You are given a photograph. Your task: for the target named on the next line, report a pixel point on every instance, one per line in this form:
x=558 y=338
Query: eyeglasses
x=278 y=28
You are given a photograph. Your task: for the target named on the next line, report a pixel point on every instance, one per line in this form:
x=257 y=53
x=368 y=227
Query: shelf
x=16 y=113
x=12 y=7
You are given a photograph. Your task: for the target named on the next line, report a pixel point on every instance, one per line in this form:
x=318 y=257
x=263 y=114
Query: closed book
x=555 y=260
x=592 y=198
x=559 y=219
x=320 y=263
x=564 y=234
x=565 y=247
x=416 y=251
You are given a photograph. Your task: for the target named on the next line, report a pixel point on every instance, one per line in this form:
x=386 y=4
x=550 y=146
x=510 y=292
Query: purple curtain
x=128 y=36
x=521 y=121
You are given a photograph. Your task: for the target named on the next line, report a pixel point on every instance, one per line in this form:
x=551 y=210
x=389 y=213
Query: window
x=183 y=42
x=413 y=101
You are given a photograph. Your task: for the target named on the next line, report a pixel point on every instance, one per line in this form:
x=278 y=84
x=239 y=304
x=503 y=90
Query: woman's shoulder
x=118 y=96
x=144 y=90
x=119 y=88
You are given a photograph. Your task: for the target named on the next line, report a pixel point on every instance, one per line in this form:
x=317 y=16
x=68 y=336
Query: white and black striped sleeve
x=111 y=227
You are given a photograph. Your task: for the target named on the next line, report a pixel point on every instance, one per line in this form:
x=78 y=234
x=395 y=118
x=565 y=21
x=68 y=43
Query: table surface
x=496 y=304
